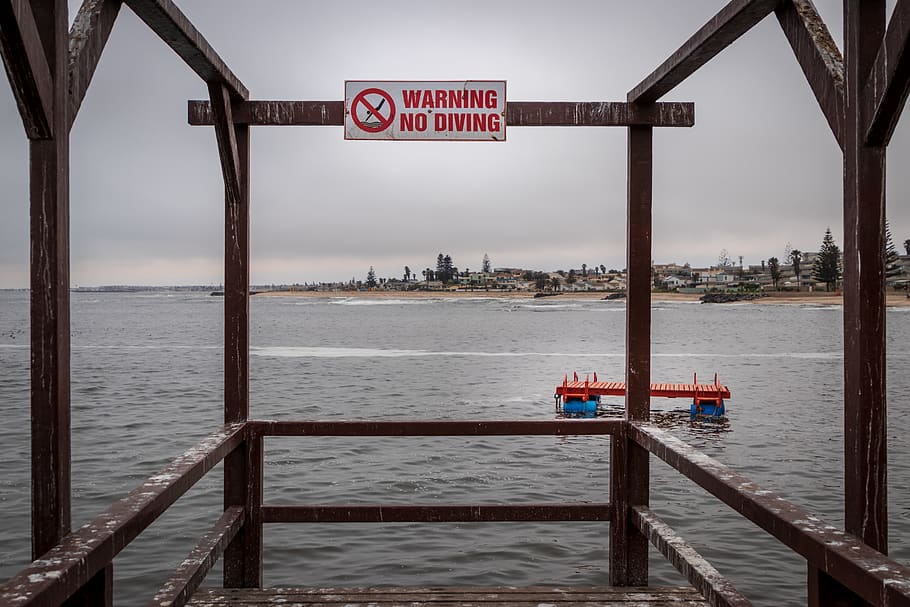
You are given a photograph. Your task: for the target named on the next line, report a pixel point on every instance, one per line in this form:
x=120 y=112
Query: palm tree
x=554 y=283
x=907 y=246
x=584 y=269
x=796 y=256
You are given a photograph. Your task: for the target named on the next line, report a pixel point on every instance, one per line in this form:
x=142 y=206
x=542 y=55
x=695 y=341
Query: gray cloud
x=758 y=170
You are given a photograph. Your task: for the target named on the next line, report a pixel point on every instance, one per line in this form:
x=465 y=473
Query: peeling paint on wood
x=30 y=75
x=87 y=38
x=192 y=571
x=867 y=572
x=536 y=596
x=435 y=513
x=172 y=26
x=734 y=20
x=66 y=567
x=819 y=57
x=717 y=589
x=556 y=427
x=886 y=90
x=518 y=113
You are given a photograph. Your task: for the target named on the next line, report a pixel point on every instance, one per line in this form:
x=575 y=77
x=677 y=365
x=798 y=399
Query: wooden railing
x=71 y=567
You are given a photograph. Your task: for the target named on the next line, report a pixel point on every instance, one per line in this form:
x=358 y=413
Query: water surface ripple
x=147 y=385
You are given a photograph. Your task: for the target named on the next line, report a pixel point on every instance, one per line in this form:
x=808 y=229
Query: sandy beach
x=817 y=298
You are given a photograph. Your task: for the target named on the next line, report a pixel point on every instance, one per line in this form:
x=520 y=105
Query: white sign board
x=466 y=110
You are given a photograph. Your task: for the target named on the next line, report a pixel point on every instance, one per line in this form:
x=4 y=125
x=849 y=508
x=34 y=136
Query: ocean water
x=147 y=367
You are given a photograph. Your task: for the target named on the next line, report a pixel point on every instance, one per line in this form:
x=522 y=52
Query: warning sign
x=466 y=110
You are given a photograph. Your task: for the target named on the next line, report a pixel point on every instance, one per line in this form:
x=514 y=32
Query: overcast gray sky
x=759 y=170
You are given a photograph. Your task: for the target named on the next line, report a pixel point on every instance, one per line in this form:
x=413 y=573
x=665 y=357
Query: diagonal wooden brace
x=27 y=67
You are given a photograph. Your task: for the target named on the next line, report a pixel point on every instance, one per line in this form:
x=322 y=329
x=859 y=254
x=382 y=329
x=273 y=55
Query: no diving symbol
x=373 y=110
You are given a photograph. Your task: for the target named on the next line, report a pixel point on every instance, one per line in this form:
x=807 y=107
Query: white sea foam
x=330 y=352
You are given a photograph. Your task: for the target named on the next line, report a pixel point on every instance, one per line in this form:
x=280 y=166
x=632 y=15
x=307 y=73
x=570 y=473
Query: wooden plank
x=226 y=139
x=67 y=566
x=889 y=81
x=819 y=58
x=88 y=36
x=554 y=427
x=415 y=597
x=717 y=589
x=435 y=513
x=192 y=571
x=518 y=113
x=629 y=468
x=522 y=113
x=27 y=67
x=734 y=20
x=867 y=572
x=175 y=29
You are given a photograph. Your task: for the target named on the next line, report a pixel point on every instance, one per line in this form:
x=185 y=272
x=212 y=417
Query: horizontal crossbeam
x=436 y=513
x=518 y=113
x=442 y=427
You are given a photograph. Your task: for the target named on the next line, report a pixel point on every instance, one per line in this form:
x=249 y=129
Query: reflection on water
x=676 y=419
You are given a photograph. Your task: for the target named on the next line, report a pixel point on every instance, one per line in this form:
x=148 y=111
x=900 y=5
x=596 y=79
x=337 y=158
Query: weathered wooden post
x=243 y=468
x=865 y=439
x=629 y=468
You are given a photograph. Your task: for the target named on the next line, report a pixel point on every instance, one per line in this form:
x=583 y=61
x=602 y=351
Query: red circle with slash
x=384 y=120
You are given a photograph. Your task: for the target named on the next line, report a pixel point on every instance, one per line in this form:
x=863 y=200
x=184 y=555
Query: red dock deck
x=583 y=389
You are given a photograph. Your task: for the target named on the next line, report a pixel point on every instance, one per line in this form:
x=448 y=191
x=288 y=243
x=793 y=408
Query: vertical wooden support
x=865 y=449
x=50 y=305
x=629 y=468
x=864 y=289
x=243 y=487
x=243 y=468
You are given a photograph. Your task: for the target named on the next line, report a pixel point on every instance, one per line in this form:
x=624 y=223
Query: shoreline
x=897 y=300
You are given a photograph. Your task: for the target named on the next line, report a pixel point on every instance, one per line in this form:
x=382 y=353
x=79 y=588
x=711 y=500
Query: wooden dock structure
x=861 y=93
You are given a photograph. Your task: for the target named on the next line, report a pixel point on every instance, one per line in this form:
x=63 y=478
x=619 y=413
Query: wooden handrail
x=865 y=571
x=69 y=565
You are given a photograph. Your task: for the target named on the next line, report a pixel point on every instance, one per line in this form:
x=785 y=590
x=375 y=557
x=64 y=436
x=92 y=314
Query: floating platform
x=578 y=397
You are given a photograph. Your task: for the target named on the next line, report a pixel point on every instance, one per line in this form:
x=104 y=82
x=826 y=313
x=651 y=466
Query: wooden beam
x=889 y=82
x=517 y=427
x=27 y=67
x=226 y=138
x=818 y=56
x=869 y=573
x=79 y=556
x=175 y=29
x=178 y=590
x=518 y=113
x=717 y=589
x=88 y=35
x=865 y=395
x=629 y=466
x=436 y=513
x=50 y=299
x=734 y=20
